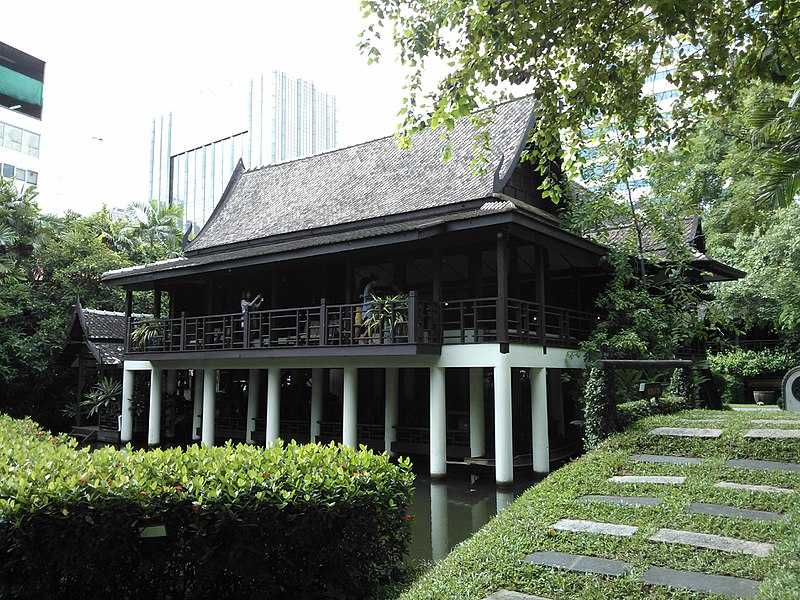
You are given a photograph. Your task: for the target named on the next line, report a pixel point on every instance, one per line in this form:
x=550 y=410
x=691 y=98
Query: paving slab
x=776 y=422
x=582 y=526
x=712 y=542
x=510 y=595
x=772 y=433
x=659 y=479
x=720 y=510
x=580 y=563
x=622 y=500
x=702 y=421
x=663 y=458
x=756 y=408
x=724 y=585
x=686 y=432
x=764 y=465
x=746 y=487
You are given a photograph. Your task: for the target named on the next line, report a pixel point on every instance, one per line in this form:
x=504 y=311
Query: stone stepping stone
x=657 y=479
x=764 y=465
x=772 y=433
x=622 y=500
x=776 y=422
x=581 y=526
x=579 y=563
x=686 y=432
x=509 y=595
x=702 y=421
x=720 y=510
x=712 y=542
x=755 y=408
x=662 y=458
x=746 y=487
x=724 y=585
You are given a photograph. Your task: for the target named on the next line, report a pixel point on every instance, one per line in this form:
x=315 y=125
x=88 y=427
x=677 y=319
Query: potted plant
x=146 y=333
x=387 y=315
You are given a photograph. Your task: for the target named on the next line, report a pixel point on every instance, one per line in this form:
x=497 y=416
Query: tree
x=583 y=62
x=156 y=226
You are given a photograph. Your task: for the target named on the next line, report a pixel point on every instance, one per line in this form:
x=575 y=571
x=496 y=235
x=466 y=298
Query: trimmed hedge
x=228 y=522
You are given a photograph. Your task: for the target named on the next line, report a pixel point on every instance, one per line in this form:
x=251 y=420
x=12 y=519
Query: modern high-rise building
x=267 y=119
x=21 y=101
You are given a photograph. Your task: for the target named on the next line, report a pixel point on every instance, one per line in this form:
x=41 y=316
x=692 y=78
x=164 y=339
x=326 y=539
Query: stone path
x=732 y=587
x=702 y=421
x=712 y=542
x=509 y=595
x=772 y=433
x=622 y=500
x=764 y=465
x=720 y=510
x=581 y=526
x=776 y=422
x=756 y=408
x=746 y=487
x=662 y=458
x=686 y=432
x=657 y=479
x=580 y=563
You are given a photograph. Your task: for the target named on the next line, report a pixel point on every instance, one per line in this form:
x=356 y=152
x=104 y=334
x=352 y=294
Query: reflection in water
x=446 y=513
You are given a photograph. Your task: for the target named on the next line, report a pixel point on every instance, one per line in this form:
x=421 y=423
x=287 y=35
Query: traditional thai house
x=409 y=303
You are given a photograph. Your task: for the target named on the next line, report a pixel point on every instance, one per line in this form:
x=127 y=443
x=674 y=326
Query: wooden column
x=128 y=313
x=502 y=291
x=436 y=271
x=156 y=302
x=541 y=296
x=348 y=281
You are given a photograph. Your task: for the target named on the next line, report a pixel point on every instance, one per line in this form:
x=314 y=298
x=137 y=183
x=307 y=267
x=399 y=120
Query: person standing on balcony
x=248 y=304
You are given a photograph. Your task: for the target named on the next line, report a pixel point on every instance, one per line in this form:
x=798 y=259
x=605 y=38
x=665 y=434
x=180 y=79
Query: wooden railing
x=405 y=321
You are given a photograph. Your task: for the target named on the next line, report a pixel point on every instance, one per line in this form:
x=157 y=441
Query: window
x=8 y=171
x=33 y=177
x=30 y=143
x=667 y=95
x=13 y=138
x=20 y=174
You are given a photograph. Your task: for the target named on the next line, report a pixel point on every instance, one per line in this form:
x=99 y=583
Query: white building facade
x=21 y=100
x=267 y=119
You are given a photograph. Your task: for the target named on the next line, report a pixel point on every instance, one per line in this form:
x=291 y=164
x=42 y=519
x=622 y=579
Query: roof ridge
x=371 y=141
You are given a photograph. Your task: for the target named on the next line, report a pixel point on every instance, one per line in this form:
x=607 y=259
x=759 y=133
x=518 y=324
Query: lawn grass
x=491 y=559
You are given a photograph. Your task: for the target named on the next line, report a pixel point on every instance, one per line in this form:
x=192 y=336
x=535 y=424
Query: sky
x=112 y=67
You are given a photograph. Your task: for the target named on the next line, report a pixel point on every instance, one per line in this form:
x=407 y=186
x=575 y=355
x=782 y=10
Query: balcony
x=406 y=326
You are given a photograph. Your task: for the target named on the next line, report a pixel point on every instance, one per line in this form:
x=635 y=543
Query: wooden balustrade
x=406 y=321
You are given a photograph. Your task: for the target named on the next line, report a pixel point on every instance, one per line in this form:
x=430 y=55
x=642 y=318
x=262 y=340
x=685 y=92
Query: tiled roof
x=369 y=180
x=616 y=235
x=104 y=324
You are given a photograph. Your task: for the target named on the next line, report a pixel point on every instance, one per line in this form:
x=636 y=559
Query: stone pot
x=764 y=396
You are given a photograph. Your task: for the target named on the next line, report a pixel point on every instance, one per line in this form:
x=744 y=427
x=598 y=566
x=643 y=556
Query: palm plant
x=386 y=312
x=146 y=332
x=157 y=224
x=776 y=130
x=104 y=394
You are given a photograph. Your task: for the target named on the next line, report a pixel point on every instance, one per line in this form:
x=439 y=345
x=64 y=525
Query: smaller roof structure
x=101 y=333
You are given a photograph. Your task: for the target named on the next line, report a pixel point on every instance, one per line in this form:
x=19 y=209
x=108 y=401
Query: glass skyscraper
x=271 y=118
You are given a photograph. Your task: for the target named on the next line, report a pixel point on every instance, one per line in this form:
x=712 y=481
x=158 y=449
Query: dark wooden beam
x=436 y=272
x=474 y=269
x=157 y=302
x=502 y=290
x=541 y=295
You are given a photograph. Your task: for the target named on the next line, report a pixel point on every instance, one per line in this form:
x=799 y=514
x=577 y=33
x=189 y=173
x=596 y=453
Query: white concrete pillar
x=350 y=407
x=209 y=406
x=477 y=416
x=540 y=429
x=197 y=404
x=273 y=405
x=504 y=499
x=392 y=407
x=154 y=419
x=438 y=424
x=439 y=540
x=503 y=432
x=126 y=426
x=253 y=394
x=317 y=397
x=556 y=401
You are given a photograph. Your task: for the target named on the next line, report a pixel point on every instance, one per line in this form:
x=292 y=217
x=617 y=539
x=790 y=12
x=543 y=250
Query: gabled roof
x=102 y=331
x=369 y=180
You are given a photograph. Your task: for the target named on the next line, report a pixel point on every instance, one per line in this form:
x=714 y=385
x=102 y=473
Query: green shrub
x=628 y=412
x=734 y=366
x=229 y=522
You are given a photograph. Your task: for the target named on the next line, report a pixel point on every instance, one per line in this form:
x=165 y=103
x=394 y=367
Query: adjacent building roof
x=102 y=331
x=369 y=180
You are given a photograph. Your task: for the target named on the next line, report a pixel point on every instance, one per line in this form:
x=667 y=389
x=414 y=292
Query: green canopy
x=23 y=88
